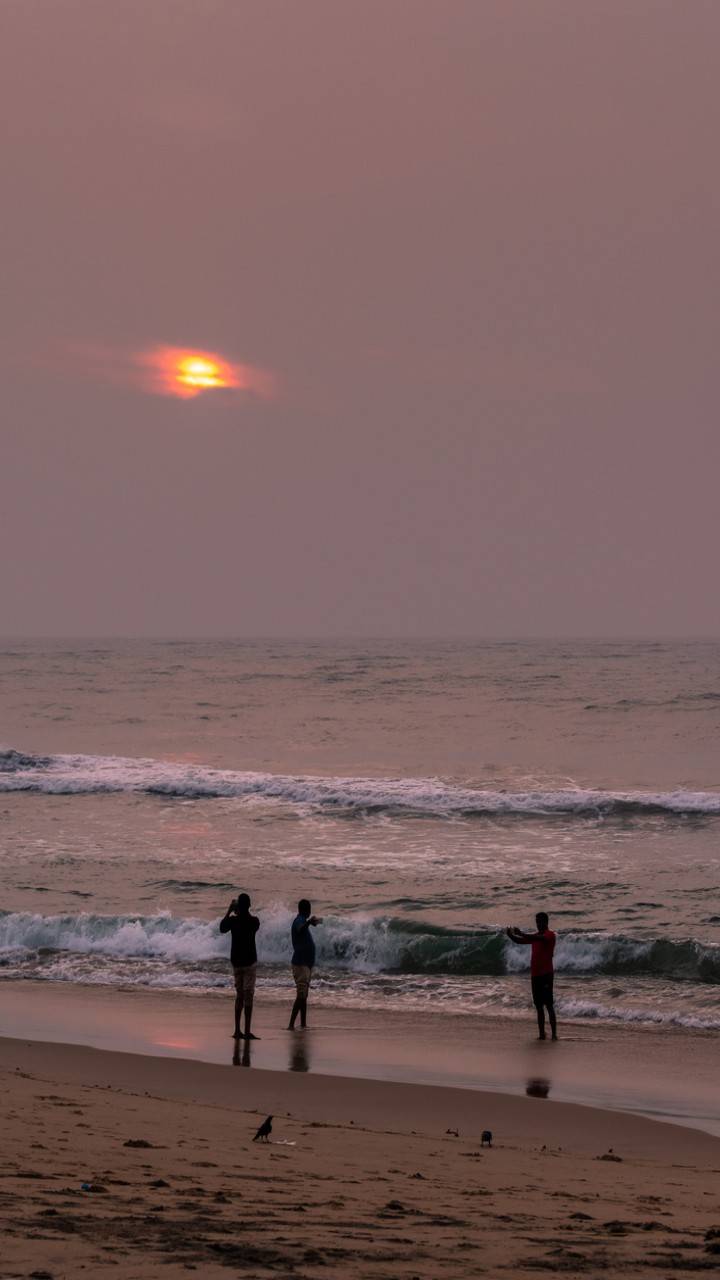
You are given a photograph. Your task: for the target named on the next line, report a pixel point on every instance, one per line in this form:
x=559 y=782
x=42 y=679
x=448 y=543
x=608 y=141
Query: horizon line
x=360 y=638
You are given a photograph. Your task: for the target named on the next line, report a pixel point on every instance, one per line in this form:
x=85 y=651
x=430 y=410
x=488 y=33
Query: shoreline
x=669 y=1075
x=391 y=1106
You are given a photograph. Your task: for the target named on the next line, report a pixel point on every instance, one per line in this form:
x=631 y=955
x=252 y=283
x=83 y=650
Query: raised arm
x=226 y=923
x=517 y=935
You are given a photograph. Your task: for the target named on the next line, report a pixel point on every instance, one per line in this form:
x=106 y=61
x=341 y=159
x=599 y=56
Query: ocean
x=422 y=795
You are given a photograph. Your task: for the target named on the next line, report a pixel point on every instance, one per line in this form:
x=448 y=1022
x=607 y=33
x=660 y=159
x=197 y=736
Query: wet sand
x=666 y=1074
x=140 y=1166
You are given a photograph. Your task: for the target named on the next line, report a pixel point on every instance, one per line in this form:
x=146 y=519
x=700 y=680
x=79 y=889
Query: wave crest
x=429 y=797
x=355 y=943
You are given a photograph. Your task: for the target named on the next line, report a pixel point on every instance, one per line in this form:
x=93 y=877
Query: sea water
x=422 y=795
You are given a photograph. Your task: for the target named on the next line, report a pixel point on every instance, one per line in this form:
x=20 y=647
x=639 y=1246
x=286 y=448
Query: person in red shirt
x=541 y=969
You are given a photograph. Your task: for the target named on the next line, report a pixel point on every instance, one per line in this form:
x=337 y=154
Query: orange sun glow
x=188 y=373
x=181 y=372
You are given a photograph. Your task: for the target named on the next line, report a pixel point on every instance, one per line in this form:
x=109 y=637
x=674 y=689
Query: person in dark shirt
x=238 y=922
x=541 y=969
x=303 y=960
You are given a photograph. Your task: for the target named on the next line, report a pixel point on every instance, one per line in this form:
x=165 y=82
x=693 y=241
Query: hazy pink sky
x=477 y=244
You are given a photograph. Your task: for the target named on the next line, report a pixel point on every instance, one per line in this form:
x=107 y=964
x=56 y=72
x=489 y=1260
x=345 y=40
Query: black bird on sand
x=265 y=1130
x=486 y=1139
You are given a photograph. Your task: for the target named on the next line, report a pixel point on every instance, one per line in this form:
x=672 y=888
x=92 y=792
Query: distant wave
x=84 y=775
x=358 y=944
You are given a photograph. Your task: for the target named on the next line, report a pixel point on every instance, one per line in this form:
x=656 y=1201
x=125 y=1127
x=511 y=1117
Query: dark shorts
x=542 y=989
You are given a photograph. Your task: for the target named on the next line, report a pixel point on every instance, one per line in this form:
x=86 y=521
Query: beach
x=138 y=1166
x=424 y=796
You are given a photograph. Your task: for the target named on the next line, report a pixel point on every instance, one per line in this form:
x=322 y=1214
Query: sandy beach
x=141 y=1166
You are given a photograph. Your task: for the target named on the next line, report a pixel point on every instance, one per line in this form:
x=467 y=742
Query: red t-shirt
x=541 y=956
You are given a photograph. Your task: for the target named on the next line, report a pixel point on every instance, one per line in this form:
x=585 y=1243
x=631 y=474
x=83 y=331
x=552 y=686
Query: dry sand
x=361 y=1179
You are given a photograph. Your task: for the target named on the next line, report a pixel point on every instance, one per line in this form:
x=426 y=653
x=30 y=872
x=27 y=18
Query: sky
x=462 y=260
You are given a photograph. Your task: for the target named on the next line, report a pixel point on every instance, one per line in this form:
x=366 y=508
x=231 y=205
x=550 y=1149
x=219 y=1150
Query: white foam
x=81 y=774
x=585 y=953
x=358 y=943
x=360 y=959
x=593 y=1009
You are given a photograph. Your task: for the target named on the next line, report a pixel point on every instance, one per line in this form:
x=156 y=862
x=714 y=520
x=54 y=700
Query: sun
x=186 y=372
x=177 y=371
x=200 y=373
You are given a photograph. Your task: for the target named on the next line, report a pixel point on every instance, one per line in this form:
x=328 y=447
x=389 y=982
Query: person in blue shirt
x=303 y=959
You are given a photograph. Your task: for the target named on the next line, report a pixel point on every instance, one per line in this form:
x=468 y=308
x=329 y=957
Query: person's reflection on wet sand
x=241 y=1059
x=299 y=1055
x=537 y=1088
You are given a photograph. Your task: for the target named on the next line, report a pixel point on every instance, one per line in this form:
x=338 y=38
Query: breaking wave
x=359 y=944
x=428 y=797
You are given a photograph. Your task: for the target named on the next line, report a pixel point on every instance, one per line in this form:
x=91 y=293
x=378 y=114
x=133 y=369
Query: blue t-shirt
x=303 y=942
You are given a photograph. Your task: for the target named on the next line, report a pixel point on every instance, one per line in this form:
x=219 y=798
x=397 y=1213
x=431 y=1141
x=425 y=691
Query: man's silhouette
x=243 y=957
x=303 y=959
x=541 y=969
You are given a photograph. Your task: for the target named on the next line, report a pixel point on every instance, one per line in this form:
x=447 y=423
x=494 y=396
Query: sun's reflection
x=175 y=1044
